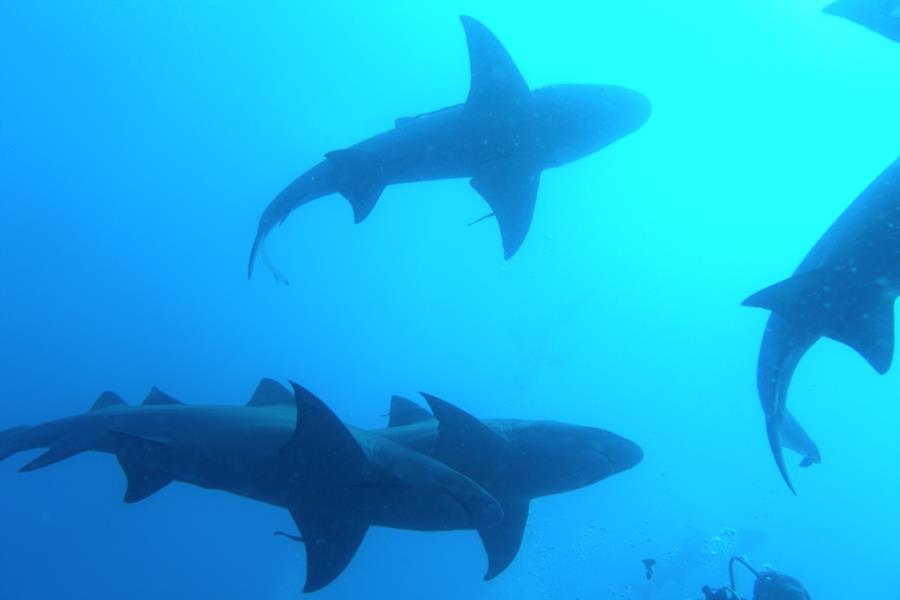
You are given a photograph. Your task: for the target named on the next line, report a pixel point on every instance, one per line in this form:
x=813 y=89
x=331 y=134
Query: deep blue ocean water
x=139 y=142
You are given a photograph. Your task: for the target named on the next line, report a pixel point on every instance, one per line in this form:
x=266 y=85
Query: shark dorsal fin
x=156 y=397
x=321 y=447
x=464 y=441
x=841 y=303
x=107 y=400
x=496 y=81
x=406 y=412
x=271 y=393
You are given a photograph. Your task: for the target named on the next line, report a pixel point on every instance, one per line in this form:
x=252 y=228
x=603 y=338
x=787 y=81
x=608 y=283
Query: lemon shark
x=290 y=450
x=845 y=290
x=501 y=138
x=880 y=16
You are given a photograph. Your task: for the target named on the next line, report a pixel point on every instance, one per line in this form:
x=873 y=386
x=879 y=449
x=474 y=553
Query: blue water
x=139 y=142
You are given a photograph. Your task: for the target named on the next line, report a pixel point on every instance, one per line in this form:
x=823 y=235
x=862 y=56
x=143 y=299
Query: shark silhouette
x=881 y=16
x=502 y=137
x=845 y=290
x=290 y=450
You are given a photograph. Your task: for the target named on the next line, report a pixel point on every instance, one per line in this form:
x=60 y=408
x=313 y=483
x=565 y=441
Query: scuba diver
x=769 y=585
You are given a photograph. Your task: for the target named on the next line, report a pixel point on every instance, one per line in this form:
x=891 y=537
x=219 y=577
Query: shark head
x=561 y=457
x=581 y=119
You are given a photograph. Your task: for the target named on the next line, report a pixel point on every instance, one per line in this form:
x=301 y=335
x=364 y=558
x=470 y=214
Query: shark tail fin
x=773 y=429
x=13 y=440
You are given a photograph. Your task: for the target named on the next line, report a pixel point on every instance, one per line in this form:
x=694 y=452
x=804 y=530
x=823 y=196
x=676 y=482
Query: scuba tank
x=769 y=585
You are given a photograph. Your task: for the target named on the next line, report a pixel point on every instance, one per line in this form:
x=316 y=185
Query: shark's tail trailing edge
x=773 y=430
x=12 y=441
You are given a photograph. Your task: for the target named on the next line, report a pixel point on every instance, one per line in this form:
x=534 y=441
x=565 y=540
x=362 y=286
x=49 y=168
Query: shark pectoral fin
x=143 y=461
x=496 y=84
x=502 y=541
x=406 y=412
x=358 y=178
x=322 y=449
x=106 y=400
x=464 y=442
x=271 y=393
x=156 y=397
x=331 y=539
x=511 y=191
x=844 y=305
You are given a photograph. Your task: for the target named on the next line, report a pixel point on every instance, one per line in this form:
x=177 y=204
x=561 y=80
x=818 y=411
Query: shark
x=281 y=449
x=880 y=16
x=844 y=289
x=501 y=138
x=288 y=449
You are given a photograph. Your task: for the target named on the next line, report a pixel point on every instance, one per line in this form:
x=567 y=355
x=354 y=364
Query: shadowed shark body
x=502 y=137
x=336 y=481
x=845 y=290
x=881 y=16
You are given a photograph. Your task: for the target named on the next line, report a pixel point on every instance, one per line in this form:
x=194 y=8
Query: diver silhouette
x=769 y=585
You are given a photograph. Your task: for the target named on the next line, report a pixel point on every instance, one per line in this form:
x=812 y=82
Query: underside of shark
x=501 y=138
x=881 y=16
x=290 y=450
x=845 y=290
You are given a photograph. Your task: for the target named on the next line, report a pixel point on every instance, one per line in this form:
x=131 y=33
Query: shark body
x=290 y=450
x=502 y=138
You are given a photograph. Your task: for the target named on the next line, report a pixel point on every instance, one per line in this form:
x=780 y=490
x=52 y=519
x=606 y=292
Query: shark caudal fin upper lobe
x=13 y=440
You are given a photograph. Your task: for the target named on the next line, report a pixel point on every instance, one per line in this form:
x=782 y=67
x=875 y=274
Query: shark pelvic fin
x=143 y=461
x=511 y=191
x=358 y=178
x=496 y=82
x=502 y=541
x=845 y=305
x=156 y=397
x=331 y=540
x=271 y=393
x=106 y=400
x=406 y=412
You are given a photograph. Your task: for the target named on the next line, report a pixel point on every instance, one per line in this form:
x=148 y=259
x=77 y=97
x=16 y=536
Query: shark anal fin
x=511 y=191
x=464 y=442
x=322 y=449
x=841 y=303
x=271 y=393
x=358 y=178
x=496 y=83
x=502 y=541
x=406 y=412
x=144 y=462
x=106 y=400
x=331 y=540
x=156 y=397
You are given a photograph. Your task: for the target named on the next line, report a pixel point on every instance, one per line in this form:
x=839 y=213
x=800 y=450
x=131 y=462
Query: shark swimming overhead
x=290 y=450
x=881 y=16
x=501 y=138
x=844 y=289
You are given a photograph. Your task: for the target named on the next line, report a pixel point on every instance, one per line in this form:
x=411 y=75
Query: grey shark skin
x=881 y=16
x=845 y=290
x=502 y=137
x=514 y=460
x=335 y=481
